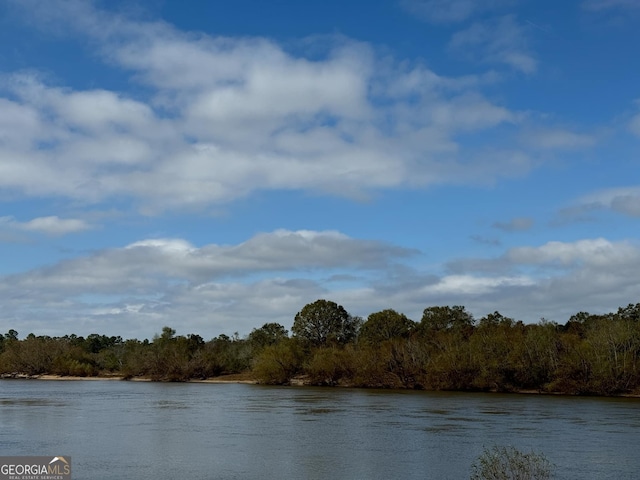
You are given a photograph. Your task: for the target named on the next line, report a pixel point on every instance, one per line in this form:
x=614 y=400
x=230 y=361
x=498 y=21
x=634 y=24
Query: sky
x=214 y=166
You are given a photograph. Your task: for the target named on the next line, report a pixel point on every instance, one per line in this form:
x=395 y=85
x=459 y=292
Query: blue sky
x=213 y=166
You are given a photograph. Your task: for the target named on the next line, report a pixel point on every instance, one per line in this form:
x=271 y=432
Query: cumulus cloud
x=161 y=281
x=594 y=252
x=469 y=285
x=503 y=40
x=144 y=266
x=281 y=250
x=553 y=280
x=224 y=117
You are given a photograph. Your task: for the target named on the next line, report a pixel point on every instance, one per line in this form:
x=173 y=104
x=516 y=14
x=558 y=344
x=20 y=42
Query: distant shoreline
x=49 y=377
x=298 y=382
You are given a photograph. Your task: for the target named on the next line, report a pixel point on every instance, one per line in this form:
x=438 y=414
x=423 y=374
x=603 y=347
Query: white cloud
x=592 y=252
x=217 y=289
x=226 y=117
x=143 y=266
x=17 y=123
x=287 y=86
x=52 y=225
x=100 y=109
x=551 y=258
x=469 y=112
x=467 y=285
x=164 y=281
x=165 y=245
x=502 y=40
x=553 y=280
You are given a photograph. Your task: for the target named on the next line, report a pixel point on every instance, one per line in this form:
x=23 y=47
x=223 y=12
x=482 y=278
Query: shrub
x=278 y=363
x=509 y=463
x=330 y=365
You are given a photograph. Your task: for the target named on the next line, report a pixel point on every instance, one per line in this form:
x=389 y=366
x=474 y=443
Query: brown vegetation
x=447 y=350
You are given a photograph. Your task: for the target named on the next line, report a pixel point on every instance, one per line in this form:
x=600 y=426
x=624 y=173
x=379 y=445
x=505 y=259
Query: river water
x=143 y=431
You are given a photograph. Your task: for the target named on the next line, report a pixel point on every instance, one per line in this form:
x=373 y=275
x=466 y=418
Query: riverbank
x=236 y=378
x=300 y=381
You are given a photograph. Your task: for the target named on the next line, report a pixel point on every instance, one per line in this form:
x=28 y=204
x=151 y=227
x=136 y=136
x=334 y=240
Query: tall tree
x=385 y=325
x=268 y=334
x=446 y=318
x=11 y=335
x=323 y=322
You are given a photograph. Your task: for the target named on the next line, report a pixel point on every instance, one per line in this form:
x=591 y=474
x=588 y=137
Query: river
x=143 y=431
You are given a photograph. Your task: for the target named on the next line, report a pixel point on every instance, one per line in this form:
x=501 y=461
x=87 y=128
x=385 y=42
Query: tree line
x=448 y=349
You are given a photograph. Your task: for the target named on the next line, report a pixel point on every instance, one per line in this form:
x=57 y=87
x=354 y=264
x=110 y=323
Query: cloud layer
x=224 y=117
x=225 y=288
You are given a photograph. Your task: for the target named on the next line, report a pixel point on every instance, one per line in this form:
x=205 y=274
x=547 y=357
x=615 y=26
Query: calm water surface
x=131 y=430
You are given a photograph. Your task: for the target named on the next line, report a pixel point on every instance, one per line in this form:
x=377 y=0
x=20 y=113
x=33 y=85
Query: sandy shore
x=222 y=379
x=245 y=379
x=64 y=377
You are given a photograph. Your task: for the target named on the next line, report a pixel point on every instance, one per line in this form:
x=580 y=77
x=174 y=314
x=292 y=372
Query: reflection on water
x=203 y=431
x=32 y=402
